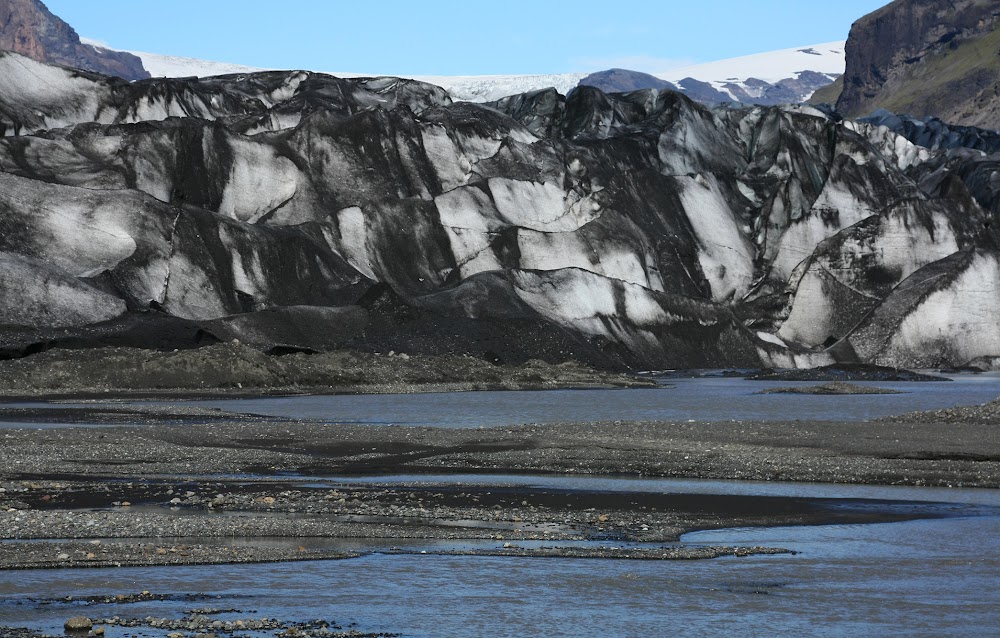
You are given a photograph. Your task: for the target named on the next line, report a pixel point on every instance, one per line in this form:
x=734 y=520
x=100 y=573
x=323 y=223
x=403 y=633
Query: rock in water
x=78 y=624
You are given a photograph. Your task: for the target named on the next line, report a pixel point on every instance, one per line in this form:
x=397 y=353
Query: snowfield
x=771 y=67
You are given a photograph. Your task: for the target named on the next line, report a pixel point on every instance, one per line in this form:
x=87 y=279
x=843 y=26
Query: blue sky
x=453 y=37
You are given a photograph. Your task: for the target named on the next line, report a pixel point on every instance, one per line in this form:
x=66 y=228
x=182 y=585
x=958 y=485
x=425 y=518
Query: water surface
x=700 y=399
x=922 y=578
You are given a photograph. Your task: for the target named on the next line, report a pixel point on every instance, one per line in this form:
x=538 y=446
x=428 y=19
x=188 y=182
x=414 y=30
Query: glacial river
x=928 y=578
x=699 y=399
x=922 y=578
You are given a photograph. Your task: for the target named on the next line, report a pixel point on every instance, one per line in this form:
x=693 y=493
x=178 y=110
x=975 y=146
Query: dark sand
x=234 y=370
x=190 y=478
x=182 y=489
x=833 y=388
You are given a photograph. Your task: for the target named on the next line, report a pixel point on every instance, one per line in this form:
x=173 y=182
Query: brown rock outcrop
x=29 y=28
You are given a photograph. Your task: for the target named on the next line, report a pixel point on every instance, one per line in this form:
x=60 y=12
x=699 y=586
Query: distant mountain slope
x=624 y=80
x=772 y=67
x=169 y=66
x=29 y=28
x=926 y=58
x=775 y=77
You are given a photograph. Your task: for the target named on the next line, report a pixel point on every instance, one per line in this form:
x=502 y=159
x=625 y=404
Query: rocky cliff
x=299 y=211
x=29 y=28
x=926 y=58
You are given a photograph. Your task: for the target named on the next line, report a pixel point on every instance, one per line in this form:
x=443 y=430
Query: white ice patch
x=897 y=149
x=244 y=260
x=288 y=88
x=354 y=240
x=577 y=299
x=624 y=265
x=725 y=254
x=783 y=358
x=471 y=222
x=35 y=294
x=554 y=251
x=959 y=321
x=770 y=338
x=841 y=208
x=475 y=148
x=55 y=95
x=812 y=312
x=903 y=244
x=468 y=208
x=190 y=293
x=452 y=167
x=642 y=309
x=538 y=206
x=489 y=88
x=259 y=182
x=83 y=235
x=472 y=251
x=907 y=245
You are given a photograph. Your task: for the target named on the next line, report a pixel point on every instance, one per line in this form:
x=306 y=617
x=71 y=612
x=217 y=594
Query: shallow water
x=711 y=399
x=701 y=399
x=926 y=578
x=600 y=483
x=920 y=578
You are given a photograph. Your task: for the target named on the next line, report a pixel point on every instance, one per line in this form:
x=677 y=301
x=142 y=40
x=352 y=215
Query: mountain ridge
x=715 y=81
x=926 y=58
x=29 y=28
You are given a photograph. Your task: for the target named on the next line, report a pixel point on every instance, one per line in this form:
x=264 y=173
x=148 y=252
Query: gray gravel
x=181 y=482
x=836 y=387
x=238 y=370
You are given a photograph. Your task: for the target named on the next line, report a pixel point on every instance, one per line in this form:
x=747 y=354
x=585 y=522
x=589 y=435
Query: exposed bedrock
x=300 y=212
x=29 y=28
x=926 y=58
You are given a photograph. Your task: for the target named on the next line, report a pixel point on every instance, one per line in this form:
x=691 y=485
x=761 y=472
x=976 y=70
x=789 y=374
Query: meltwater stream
x=699 y=399
x=920 y=578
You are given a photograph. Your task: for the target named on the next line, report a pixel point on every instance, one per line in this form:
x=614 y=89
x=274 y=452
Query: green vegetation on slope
x=828 y=94
x=932 y=85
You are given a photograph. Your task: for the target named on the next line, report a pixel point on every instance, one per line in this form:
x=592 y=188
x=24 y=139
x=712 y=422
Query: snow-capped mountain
x=171 y=66
x=734 y=79
x=471 y=88
x=771 y=67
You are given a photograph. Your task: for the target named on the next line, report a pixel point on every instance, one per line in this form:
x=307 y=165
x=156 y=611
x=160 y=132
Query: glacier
x=303 y=211
x=740 y=79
